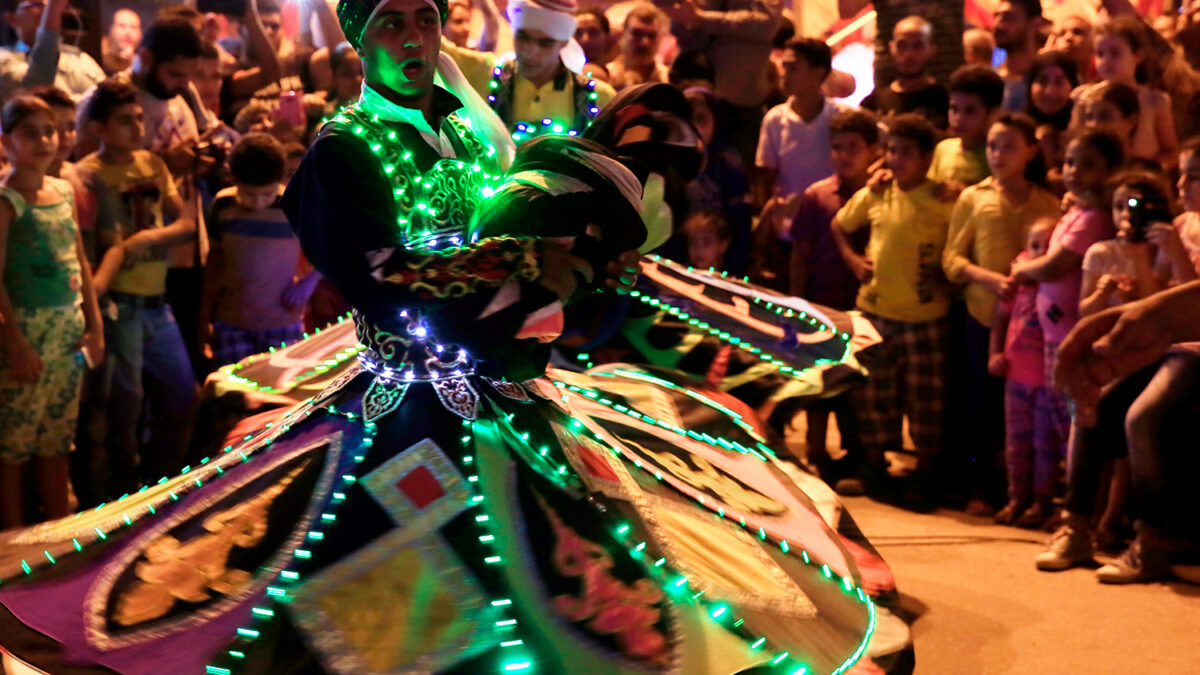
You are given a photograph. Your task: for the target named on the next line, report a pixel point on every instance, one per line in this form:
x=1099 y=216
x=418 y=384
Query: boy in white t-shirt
x=794 y=141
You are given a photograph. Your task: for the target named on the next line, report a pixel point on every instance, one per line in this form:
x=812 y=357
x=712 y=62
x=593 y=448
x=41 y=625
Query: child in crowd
x=987 y=229
x=914 y=89
x=256 y=117
x=1035 y=439
x=45 y=280
x=819 y=273
x=253 y=299
x=975 y=96
x=793 y=144
x=1091 y=158
x=1188 y=223
x=708 y=236
x=979 y=47
x=1112 y=106
x=906 y=296
x=140 y=214
x=1051 y=80
x=1121 y=47
x=293 y=153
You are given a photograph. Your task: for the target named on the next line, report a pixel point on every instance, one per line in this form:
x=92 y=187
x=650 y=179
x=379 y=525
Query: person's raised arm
x=757 y=22
x=327 y=23
x=44 y=53
x=245 y=82
x=489 y=36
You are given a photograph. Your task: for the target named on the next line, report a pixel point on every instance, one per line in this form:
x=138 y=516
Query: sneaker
x=1009 y=514
x=1137 y=564
x=1035 y=515
x=1067 y=548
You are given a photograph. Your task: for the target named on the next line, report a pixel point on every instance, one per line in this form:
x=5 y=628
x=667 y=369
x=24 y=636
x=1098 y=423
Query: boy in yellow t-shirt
x=139 y=215
x=906 y=296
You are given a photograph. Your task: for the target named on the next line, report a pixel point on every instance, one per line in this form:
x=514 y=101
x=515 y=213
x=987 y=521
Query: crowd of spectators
x=1004 y=178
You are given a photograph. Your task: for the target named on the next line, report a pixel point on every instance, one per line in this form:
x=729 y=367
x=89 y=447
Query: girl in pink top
x=1035 y=436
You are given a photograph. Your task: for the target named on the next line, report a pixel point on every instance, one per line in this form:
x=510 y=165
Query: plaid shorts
x=39 y=419
x=906 y=376
x=232 y=344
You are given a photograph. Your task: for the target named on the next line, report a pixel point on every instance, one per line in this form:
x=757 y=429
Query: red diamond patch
x=421 y=487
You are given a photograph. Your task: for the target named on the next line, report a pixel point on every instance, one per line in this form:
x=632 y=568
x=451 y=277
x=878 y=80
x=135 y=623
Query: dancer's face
x=400 y=47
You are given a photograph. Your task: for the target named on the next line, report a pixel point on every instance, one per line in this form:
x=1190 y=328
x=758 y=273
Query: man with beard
x=537 y=91
x=1016 y=32
x=124 y=34
x=645 y=25
x=914 y=89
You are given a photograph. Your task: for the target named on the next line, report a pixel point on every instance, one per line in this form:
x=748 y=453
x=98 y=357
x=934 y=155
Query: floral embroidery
x=608 y=605
x=455 y=272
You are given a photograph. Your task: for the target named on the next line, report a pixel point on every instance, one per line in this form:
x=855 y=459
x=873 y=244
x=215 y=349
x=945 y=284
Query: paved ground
x=985 y=609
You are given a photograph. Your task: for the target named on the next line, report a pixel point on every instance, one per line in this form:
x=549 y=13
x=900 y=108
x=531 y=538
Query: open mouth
x=413 y=68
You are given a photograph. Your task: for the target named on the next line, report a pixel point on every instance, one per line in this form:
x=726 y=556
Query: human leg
x=169 y=379
x=923 y=380
x=123 y=396
x=880 y=421
x=1019 y=404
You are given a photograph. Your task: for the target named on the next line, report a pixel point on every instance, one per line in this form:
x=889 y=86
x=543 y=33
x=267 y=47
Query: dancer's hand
x=559 y=268
x=623 y=272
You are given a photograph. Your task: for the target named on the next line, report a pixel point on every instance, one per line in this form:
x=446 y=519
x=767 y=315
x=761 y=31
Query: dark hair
x=107 y=97
x=269 y=7
x=1123 y=96
x=1032 y=8
x=338 y=54
x=708 y=220
x=1035 y=169
x=856 y=121
x=178 y=11
x=783 y=35
x=294 y=149
x=1152 y=185
x=815 y=51
x=20 y=108
x=914 y=128
x=601 y=17
x=978 y=81
x=53 y=96
x=257 y=159
x=1104 y=142
x=172 y=38
x=1041 y=63
x=1135 y=33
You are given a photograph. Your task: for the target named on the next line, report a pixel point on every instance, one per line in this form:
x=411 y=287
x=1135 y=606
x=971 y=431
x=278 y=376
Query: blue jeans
x=146 y=362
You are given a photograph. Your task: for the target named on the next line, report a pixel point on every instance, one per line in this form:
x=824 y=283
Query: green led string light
x=524 y=131
x=746 y=345
x=409 y=185
x=673 y=582
x=514 y=660
x=204 y=472
x=231 y=371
